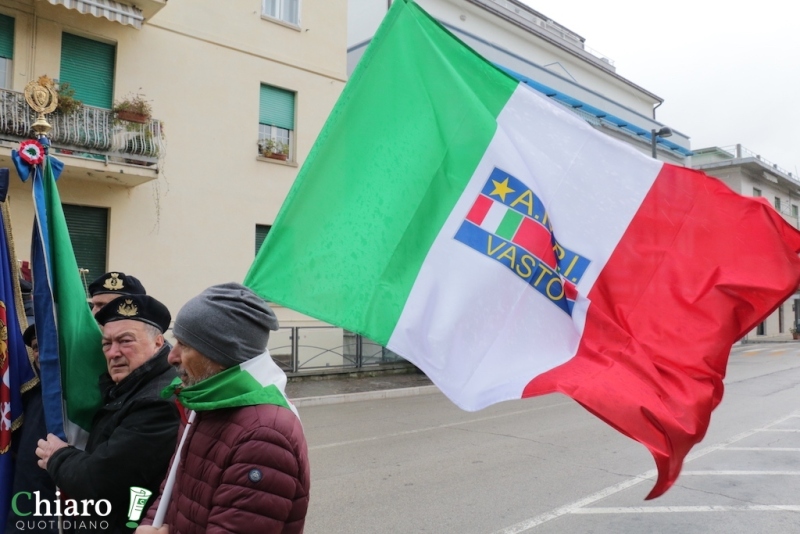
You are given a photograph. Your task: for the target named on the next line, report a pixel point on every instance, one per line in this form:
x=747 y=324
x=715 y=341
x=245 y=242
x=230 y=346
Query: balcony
x=92 y=144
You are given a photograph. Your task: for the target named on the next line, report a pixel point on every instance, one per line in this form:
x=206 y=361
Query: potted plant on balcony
x=795 y=333
x=67 y=103
x=270 y=148
x=133 y=108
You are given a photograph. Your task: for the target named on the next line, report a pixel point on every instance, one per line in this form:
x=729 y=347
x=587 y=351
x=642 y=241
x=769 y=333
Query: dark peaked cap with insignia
x=142 y=308
x=117 y=283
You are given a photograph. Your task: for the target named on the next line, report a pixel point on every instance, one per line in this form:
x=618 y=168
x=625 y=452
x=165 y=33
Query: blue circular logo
x=254 y=475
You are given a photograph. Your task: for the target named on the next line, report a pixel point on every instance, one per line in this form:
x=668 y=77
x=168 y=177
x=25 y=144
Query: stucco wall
x=201 y=64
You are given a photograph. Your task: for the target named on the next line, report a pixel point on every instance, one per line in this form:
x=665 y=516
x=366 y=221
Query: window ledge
x=277 y=161
x=289 y=25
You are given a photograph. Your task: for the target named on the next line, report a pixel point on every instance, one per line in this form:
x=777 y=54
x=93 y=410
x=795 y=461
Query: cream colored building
x=176 y=201
x=749 y=174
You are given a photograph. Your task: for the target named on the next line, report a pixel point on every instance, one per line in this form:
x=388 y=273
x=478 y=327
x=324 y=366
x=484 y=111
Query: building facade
x=547 y=56
x=748 y=174
x=238 y=93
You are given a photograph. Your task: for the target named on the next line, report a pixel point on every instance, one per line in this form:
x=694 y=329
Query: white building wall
x=578 y=73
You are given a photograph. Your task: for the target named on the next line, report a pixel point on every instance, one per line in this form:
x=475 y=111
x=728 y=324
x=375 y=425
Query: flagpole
x=166 y=494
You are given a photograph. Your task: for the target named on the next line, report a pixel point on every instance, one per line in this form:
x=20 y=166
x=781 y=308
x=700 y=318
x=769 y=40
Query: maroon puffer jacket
x=242 y=470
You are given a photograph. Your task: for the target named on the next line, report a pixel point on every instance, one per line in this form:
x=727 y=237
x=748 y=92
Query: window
x=261 y=234
x=778 y=203
x=276 y=122
x=88 y=232
x=795 y=211
x=756 y=192
x=88 y=66
x=6 y=50
x=285 y=10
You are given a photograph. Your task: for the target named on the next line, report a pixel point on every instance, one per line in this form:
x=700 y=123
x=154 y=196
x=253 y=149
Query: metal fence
x=88 y=132
x=308 y=349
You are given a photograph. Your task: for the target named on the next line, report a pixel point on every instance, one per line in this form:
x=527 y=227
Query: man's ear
x=160 y=341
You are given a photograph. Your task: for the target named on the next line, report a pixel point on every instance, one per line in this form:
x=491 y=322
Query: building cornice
x=559 y=43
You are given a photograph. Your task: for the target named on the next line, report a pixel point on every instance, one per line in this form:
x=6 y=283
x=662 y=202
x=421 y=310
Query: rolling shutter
x=276 y=107
x=88 y=66
x=88 y=232
x=6 y=37
x=261 y=234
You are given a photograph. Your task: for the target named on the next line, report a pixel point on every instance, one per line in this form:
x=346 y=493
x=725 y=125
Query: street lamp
x=655 y=134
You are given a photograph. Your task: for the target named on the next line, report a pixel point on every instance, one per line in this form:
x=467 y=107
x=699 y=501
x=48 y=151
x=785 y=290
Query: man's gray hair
x=152 y=331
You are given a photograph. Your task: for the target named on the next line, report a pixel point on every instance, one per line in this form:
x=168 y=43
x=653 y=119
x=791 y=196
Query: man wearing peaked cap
x=134 y=433
x=111 y=285
x=246 y=468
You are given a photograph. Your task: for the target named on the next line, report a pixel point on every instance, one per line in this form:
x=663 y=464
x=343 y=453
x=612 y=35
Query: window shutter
x=6 y=37
x=276 y=107
x=88 y=232
x=88 y=66
x=261 y=234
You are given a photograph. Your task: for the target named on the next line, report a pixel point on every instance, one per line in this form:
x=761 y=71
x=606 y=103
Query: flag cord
x=166 y=495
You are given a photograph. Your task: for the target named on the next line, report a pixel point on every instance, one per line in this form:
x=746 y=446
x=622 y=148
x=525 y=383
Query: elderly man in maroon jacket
x=244 y=463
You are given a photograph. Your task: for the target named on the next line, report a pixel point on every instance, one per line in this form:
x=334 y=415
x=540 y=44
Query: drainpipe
x=655 y=108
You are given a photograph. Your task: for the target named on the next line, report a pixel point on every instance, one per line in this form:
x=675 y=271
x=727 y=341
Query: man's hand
x=46 y=448
x=146 y=529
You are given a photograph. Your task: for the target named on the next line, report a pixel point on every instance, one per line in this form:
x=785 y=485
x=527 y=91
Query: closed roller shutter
x=88 y=66
x=6 y=37
x=261 y=234
x=88 y=231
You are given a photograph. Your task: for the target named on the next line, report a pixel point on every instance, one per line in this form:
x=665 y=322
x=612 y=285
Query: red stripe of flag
x=479 y=210
x=641 y=365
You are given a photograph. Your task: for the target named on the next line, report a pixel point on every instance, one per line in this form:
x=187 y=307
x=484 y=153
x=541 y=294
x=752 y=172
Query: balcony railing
x=89 y=132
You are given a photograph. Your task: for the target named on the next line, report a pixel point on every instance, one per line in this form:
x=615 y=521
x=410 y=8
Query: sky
x=728 y=73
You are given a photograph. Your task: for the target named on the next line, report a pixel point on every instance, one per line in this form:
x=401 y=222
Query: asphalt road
x=545 y=465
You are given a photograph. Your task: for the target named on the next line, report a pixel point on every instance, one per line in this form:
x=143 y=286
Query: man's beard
x=188 y=381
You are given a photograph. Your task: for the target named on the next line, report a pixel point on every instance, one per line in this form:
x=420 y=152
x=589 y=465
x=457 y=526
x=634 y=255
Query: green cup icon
x=139 y=498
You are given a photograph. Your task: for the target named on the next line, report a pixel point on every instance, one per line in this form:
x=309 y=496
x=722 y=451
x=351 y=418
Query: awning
x=122 y=13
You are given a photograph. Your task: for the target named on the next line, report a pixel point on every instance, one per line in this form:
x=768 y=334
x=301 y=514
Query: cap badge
x=113 y=282
x=128 y=309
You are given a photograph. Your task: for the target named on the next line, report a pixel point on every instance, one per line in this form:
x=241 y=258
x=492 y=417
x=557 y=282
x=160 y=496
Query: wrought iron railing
x=90 y=132
x=308 y=349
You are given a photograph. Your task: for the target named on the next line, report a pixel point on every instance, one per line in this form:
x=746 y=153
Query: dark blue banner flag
x=15 y=366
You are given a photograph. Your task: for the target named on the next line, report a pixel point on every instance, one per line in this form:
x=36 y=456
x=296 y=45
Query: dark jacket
x=28 y=476
x=242 y=470
x=130 y=444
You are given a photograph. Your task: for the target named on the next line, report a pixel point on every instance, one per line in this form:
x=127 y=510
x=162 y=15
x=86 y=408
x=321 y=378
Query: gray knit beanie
x=227 y=323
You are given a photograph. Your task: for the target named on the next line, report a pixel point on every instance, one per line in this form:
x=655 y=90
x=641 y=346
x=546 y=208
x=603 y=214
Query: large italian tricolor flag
x=509 y=249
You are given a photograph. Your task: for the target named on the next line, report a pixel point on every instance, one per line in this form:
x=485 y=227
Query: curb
x=324 y=400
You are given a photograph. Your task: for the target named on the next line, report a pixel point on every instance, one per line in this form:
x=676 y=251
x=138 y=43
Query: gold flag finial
x=41 y=96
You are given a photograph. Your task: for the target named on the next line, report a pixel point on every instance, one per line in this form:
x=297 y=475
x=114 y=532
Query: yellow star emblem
x=501 y=189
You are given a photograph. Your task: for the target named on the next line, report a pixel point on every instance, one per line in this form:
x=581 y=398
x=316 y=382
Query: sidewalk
x=320 y=390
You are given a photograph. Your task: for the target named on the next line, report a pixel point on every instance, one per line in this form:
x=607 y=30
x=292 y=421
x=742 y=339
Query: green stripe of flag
x=79 y=337
x=509 y=224
x=231 y=388
x=408 y=125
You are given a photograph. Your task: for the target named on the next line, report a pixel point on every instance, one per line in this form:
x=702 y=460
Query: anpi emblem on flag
x=509 y=224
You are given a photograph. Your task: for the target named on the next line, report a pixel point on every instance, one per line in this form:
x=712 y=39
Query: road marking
x=573 y=507
x=771 y=449
x=429 y=428
x=684 y=509
x=780 y=430
x=739 y=473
